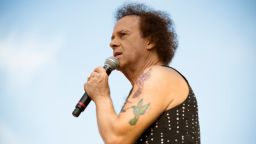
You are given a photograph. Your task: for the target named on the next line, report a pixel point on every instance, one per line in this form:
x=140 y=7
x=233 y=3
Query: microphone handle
x=81 y=105
x=85 y=99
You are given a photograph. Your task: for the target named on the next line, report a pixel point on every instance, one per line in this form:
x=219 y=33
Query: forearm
x=107 y=119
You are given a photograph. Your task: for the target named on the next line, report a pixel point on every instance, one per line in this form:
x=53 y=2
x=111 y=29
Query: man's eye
x=122 y=34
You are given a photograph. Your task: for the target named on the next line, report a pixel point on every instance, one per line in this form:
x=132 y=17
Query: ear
x=149 y=44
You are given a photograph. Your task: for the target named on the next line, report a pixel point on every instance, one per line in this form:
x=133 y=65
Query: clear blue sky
x=49 y=47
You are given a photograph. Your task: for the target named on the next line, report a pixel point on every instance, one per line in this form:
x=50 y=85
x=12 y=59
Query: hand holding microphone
x=111 y=63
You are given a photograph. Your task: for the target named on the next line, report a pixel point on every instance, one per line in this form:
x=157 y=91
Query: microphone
x=110 y=64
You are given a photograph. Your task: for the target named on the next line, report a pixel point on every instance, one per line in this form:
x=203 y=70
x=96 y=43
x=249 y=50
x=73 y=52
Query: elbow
x=117 y=140
x=118 y=135
x=114 y=140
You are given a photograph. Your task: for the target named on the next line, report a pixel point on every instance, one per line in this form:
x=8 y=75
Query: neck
x=134 y=71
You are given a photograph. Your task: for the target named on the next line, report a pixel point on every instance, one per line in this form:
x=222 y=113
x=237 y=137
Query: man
x=161 y=107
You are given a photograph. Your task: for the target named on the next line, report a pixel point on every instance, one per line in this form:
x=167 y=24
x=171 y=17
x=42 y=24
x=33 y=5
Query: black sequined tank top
x=179 y=125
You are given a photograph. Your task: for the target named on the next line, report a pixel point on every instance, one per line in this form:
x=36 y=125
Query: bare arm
x=149 y=98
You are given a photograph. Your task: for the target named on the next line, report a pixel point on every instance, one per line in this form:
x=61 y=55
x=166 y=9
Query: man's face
x=126 y=41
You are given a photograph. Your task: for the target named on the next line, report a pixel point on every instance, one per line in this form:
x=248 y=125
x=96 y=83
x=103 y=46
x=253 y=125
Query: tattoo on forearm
x=140 y=83
x=138 y=110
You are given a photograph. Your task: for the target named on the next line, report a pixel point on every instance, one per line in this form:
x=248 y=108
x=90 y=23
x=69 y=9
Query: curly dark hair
x=155 y=25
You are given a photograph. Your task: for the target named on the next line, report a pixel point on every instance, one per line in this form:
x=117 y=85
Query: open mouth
x=117 y=54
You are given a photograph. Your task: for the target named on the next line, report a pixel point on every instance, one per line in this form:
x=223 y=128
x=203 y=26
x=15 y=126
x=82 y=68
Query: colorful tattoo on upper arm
x=138 y=110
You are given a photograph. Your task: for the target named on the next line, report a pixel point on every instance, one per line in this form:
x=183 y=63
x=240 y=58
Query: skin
x=155 y=88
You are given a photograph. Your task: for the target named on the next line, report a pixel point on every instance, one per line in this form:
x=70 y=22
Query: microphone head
x=112 y=63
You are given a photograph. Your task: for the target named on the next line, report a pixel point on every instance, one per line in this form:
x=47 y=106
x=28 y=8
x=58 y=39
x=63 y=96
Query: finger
x=100 y=70
x=93 y=74
x=85 y=86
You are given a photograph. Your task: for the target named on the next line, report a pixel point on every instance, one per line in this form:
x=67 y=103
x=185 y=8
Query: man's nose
x=114 y=43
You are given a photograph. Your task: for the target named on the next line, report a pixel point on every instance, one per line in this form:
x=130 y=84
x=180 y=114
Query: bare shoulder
x=165 y=75
x=175 y=87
